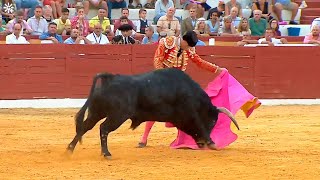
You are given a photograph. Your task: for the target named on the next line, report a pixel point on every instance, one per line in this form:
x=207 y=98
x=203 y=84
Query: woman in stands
x=224 y=90
x=243 y=26
x=80 y=22
x=274 y=24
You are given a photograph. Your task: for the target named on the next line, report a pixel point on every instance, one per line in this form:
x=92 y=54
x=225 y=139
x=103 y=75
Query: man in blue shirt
x=51 y=34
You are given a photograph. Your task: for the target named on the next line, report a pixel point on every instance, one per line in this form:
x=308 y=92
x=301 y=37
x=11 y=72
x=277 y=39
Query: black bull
x=166 y=95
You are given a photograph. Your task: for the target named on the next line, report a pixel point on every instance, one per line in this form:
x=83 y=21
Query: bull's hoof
x=212 y=146
x=107 y=157
x=142 y=145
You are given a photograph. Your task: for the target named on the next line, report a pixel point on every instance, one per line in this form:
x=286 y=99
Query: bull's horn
x=229 y=114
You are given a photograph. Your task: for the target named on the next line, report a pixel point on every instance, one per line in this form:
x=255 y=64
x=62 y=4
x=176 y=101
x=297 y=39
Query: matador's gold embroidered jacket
x=166 y=56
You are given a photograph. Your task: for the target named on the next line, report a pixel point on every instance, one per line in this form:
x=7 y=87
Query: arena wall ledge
x=66 y=71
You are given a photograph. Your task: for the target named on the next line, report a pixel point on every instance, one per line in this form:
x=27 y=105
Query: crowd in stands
x=51 y=19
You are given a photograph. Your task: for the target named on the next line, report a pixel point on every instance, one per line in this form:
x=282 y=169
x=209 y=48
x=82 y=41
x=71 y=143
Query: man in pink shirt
x=313 y=37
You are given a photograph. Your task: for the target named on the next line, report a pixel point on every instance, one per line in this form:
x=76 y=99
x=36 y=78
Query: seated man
x=257 y=24
x=96 y=37
x=37 y=23
x=101 y=19
x=76 y=39
x=26 y=29
x=269 y=38
x=314 y=36
x=124 y=20
x=117 y=22
x=63 y=23
x=150 y=37
x=15 y=37
x=169 y=24
x=246 y=39
x=51 y=35
x=125 y=38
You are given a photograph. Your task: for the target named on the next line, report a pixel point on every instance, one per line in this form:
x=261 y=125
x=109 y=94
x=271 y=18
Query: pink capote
x=224 y=91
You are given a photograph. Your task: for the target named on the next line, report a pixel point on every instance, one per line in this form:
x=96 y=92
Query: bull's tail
x=229 y=114
x=80 y=115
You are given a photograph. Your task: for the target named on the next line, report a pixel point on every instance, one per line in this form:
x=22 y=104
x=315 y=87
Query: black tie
x=125 y=40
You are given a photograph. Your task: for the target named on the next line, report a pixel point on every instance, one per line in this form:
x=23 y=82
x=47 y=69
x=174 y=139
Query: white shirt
x=102 y=39
x=273 y=40
x=118 y=32
x=12 y=39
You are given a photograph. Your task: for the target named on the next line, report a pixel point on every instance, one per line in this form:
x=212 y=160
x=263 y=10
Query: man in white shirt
x=96 y=37
x=270 y=39
x=15 y=37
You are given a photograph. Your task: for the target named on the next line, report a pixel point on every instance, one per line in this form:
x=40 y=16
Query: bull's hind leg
x=111 y=124
x=88 y=124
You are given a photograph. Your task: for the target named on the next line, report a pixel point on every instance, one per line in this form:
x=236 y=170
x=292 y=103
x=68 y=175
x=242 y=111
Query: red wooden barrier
x=66 y=71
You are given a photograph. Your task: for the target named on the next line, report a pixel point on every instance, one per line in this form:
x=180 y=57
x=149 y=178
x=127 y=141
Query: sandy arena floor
x=280 y=142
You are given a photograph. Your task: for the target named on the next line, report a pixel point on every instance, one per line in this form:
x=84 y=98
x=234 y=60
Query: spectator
x=16 y=37
x=243 y=26
x=124 y=12
x=37 y=23
x=150 y=37
x=269 y=38
x=246 y=39
x=189 y=23
x=95 y=3
x=51 y=35
x=56 y=6
x=234 y=12
x=274 y=24
x=214 y=23
x=148 y=5
x=228 y=28
x=2 y=28
x=288 y=5
x=219 y=9
x=125 y=37
x=265 y=6
x=116 y=4
x=63 y=23
x=47 y=13
x=230 y=4
x=161 y=8
x=7 y=15
x=200 y=43
x=316 y=21
x=76 y=39
x=19 y=19
x=169 y=23
x=202 y=28
x=142 y=23
x=314 y=36
x=96 y=37
x=124 y=20
x=27 y=4
x=79 y=22
x=102 y=19
x=200 y=6
x=257 y=24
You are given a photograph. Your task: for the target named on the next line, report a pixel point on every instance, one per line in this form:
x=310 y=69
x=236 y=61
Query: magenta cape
x=224 y=91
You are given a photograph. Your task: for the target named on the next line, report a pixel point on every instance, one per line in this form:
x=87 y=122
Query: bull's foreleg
x=111 y=124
